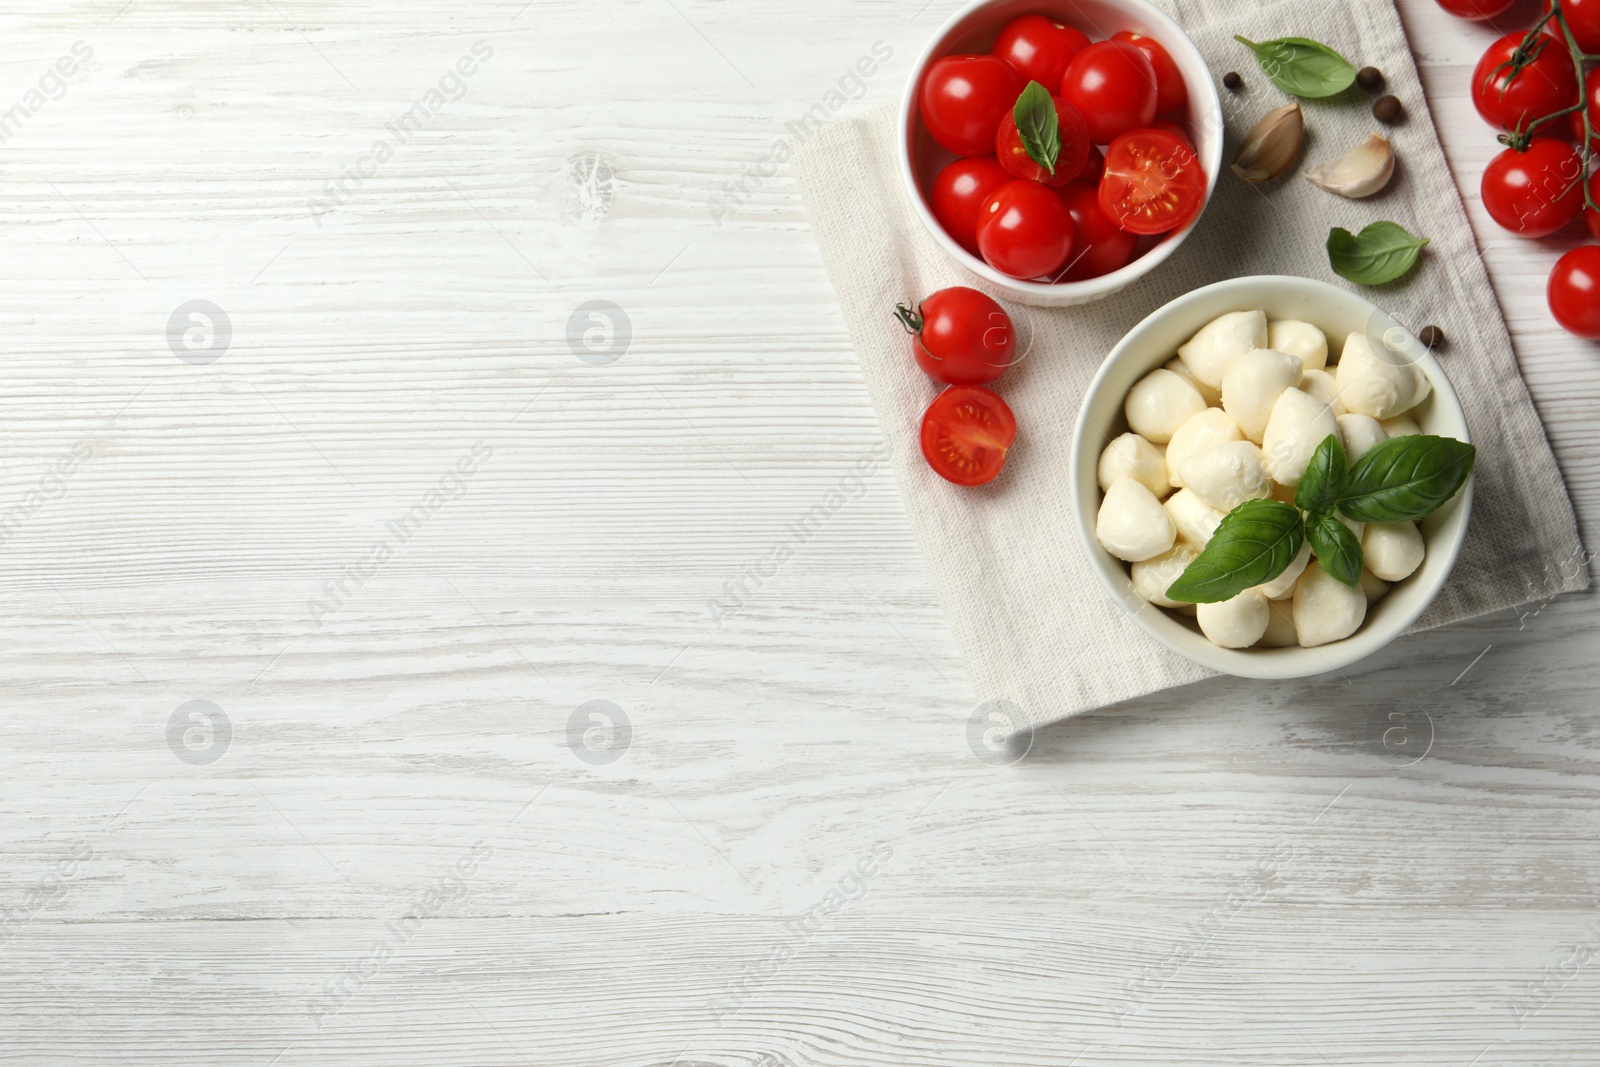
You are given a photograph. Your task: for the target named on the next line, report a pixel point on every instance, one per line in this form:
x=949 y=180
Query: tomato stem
x=1521 y=58
x=911 y=320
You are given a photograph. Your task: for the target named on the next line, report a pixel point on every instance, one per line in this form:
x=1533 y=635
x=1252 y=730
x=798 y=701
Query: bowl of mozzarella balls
x=1272 y=476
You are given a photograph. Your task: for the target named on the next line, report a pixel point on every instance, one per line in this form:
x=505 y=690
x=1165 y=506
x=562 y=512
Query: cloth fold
x=1033 y=623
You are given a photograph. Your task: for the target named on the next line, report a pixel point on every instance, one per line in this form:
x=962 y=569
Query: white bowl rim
x=1089 y=288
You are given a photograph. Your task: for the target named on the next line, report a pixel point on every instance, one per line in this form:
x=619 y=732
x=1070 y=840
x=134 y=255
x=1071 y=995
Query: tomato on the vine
x=966 y=433
x=1073 y=129
x=1536 y=192
x=1591 y=89
x=1100 y=246
x=1171 y=92
x=1114 y=84
x=1591 y=217
x=1040 y=48
x=1574 y=292
x=1024 y=230
x=959 y=191
x=1477 y=10
x=1153 y=182
x=962 y=99
x=1512 y=100
x=960 y=336
x=1583 y=19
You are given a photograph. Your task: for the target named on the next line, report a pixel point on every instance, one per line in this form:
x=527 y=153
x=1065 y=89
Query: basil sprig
x=1398 y=480
x=1035 y=115
x=1302 y=67
x=1380 y=253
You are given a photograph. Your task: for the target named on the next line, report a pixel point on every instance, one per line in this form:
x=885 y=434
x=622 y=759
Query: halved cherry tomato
x=1099 y=245
x=1536 y=192
x=962 y=99
x=960 y=336
x=1574 y=294
x=1040 y=48
x=1153 y=182
x=966 y=432
x=959 y=192
x=1512 y=100
x=1114 y=85
x=1074 y=132
x=1024 y=230
x=1171 y=92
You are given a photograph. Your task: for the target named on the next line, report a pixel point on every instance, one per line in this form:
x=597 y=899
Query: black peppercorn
x=1431 y=336
x=1388 y=110
x=1233 y=81
x=1369 y=78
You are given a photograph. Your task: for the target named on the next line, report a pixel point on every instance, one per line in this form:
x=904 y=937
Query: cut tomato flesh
x=966 y=433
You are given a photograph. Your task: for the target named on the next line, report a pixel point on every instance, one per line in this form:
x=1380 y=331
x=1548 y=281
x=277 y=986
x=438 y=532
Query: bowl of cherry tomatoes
x=1060 y=149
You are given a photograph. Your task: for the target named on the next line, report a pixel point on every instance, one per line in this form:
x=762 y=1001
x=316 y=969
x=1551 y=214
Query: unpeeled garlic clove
x=1272 y=146
x=1360 y=172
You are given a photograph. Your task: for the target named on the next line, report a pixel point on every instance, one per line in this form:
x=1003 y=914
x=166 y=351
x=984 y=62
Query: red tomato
x=1476 y=10
x=1591 y=217
x=1114 y=85
x=1536 y=192
x=1591 y=89
x=961 y=336
x=959 y=191
x=1574 y=293
x=1100 y=247
x=1168 y=126
x=1074 y=131
x=1546 y=85
x=1024 y=230
x=1583 y=19
x=966 y=432
x=1095 y=167
x=962 y=99
x=1039 y=48
x=1153 y=182
x=1171 y=92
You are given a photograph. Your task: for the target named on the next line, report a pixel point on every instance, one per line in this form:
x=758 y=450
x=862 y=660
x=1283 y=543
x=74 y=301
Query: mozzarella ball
x=1159 y=403
x=1152 y=577
x=1212 y=396
x=1194 y=519
x=1132 y=524
x=1280 y=626
x=1225 y=476
x=1299 y=339
x=1131 y=456
x=1238 y=622
x=1282 y=587
x=1392 y=550
x=1322 y=385
x=1360 y=433
x=1253 y=384
x=1378 y=383
x=1373 y=586
x=1401 y=426
x=1298 y=425
x=1208 y=429
x=1325 y=609
x=1210 y=353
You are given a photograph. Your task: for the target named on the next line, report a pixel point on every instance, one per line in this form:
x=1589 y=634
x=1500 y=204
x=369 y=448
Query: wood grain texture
x=798 y=859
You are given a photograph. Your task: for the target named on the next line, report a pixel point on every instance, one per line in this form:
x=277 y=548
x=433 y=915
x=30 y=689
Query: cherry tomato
x=1096 y=165
x=1591 y=217
x=1171 y=92
x=1074 y=131
x=1536 y=192
x=1039 y=48
x=1546 y=85
x=1024 y=230
x=1476 y=10
x=966 y=432
x=959 y=191
x=960 y=336
x=1153 y=182
x=1168 y=126
x=1574 y=293
x=1100 y=246
x=962 y=99
x=1114 y=85
x=1583 y=19
x=1591 y=89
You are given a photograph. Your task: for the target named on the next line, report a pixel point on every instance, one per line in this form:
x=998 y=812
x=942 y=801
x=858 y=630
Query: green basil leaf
x=1378 y=254
x=1335 y=545
x=1035 y=115
x=1320 y=483
x=1302 y=67
x=1255 y=542
x=1405 y=478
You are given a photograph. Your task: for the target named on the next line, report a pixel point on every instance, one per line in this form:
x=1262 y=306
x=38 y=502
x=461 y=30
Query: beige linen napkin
x=1033 y=623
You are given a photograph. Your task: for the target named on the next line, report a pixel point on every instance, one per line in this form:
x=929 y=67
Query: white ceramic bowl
x=1154 y=341
x=973 y=30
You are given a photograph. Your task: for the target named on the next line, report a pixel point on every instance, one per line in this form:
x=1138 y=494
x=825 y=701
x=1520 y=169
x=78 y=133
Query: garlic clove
x=1272 y=146
x=1360 y=172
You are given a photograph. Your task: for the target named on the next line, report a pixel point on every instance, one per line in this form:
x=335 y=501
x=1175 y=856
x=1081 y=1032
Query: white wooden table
x=376 y=844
